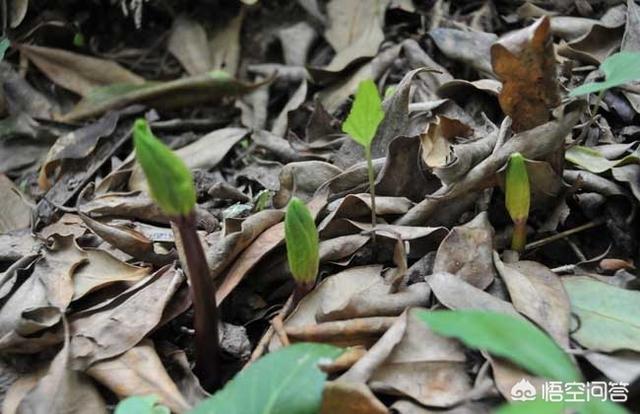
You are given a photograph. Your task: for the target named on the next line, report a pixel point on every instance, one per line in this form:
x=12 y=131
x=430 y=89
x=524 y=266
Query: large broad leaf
x=366 y=114
x=287 y=381
x=508 y=337
x=619 y=68
x=549 y=407
x=609 y=316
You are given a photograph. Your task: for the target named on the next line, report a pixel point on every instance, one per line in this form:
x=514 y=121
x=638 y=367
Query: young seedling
x=303 y=252
x=361 y=125
x=517 y=199
x=171 y=186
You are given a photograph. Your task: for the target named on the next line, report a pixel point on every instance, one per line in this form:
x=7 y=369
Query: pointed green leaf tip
x=517 y=188
x=301 y=238
x=366 y=114
x=170 y=181
x=619 y=68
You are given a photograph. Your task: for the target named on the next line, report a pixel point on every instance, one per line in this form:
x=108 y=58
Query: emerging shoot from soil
x=171 y=186
x=361 y=124
x=301 y=236
x=517 y=199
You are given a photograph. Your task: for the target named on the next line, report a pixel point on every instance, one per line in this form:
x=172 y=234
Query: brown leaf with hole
x=525 y=63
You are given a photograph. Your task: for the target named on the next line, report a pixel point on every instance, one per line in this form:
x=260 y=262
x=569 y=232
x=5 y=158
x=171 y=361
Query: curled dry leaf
x=350 y=332
x=14 y=213
x=525 y=63
x=437 y=138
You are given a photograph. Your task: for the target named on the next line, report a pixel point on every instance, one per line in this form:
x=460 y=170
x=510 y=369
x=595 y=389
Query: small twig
x=562 y=235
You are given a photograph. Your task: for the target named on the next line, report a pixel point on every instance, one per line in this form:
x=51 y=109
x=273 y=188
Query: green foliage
x=4 y=45
x=619 y=68
x=286 y=381
x=517 y=192
x=141 y=404
x=508 y=337
x=170 y=181
x=79 y=40
x=301 y=237
x=366 y=114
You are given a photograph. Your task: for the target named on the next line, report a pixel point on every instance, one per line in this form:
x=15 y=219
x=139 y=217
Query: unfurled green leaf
x=505 y=336
x=141 y=404
x=170 y=181
x=366 y=114
x=517 y=190
x=619 y=68
x=286 y=381
x=550 y=407
x=301 y=235
x=609 y=316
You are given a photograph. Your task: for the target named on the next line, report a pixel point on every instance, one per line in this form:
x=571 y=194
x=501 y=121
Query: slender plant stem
x=372 y=191
x=207 y=366
x=562 y=235
x=519 y=238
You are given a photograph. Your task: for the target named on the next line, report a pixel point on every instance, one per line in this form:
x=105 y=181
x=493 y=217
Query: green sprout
x=517 y=199
x=171 y=186
x=301 y=236
x=361 y=125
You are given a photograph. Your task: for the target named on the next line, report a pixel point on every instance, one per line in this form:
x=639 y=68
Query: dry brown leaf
x=188 y=43
x=437 y=139
x=63 y=390
x=225 y=45
x=340 y=397
x=302 y=179
x=470 y=47
x=347 y=333
x=78 y=73
x=139 y=371
x=467 y=252
x=410 y=360
x=115 y=326
x=538 y=293
x=525 y=63
x=14 y=213
x=455 y=293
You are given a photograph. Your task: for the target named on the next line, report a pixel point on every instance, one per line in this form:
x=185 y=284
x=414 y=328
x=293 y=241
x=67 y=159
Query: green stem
x=207 y=366
x=372 y=191
x=519 y=238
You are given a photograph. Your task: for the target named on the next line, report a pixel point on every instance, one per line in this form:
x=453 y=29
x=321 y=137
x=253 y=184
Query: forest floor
x=252 y=95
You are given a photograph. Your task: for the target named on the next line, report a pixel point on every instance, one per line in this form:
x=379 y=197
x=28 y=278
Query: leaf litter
x=252 y=95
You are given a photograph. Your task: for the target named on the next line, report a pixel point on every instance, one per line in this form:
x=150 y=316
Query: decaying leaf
x=525 y=63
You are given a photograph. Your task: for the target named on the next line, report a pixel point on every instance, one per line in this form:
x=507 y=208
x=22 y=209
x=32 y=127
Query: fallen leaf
x=139 y=371
x=340 y=397
x=14 y=213
x=189 y=44
x=468 y=47
x=467 y=252
x=525 y=63
x=115 y=326
x=79 y=73
x=607 y=315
